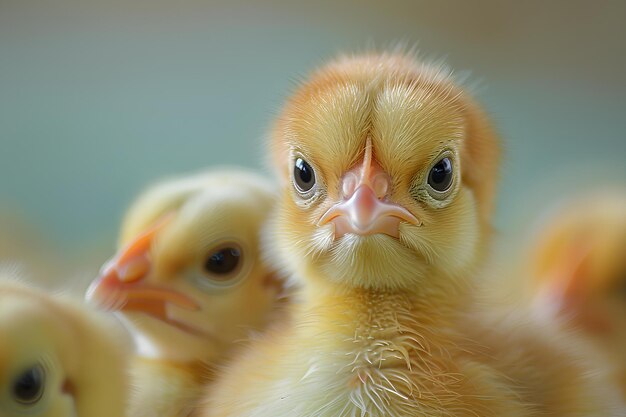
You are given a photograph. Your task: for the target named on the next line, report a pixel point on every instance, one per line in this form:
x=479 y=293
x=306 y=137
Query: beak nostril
x=349 y=183
x=380 y=185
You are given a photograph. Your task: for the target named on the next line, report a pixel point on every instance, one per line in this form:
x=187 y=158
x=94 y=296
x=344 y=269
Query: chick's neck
x=383 y=314
x=159 y=342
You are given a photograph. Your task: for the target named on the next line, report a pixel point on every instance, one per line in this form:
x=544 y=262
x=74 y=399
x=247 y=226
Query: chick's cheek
x=306 y=203
x=65 y=406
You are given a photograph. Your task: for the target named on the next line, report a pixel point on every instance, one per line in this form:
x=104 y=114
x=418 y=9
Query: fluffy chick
x=388 y=172
x=57 y=358
x=190 y=283
x=577 y=261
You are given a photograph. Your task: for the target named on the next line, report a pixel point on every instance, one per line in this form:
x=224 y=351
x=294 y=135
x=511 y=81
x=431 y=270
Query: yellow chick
x=57 y=358
x=190 y=283
x=578 y=263
x=388 y=172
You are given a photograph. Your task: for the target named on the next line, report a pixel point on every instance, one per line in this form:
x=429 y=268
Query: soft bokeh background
x=98 y=99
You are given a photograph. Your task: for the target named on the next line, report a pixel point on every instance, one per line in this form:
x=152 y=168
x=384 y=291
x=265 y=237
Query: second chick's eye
x=28 y=387
x=223 y=261
x=303 y=175
x=440 y=175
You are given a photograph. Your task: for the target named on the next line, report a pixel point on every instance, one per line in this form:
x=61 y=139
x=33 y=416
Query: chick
x=57 y=358
x=388 y=171
x=577 y=261
x=189 y=282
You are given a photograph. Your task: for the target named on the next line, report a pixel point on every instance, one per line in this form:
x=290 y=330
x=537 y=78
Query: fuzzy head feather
x=399 y=119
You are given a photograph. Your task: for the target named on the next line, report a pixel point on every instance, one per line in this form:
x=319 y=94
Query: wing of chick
x=388 y=171
x=578 y=263
x=58 y=358
x=191 y=282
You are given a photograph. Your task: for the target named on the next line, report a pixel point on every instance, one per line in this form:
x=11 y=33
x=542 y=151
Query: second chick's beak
x=122 y=283
x=365 y=209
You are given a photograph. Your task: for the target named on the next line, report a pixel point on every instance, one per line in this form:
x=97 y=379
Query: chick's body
x=389 y=174
x=166 y=388
x=57 y=358
x=579 y=270
x=190 y=283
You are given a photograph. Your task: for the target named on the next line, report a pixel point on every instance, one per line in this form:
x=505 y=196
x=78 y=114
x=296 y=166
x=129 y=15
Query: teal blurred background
x=98 y=99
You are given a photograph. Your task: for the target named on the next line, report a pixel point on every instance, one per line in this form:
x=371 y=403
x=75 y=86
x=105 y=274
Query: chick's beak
x=365 y=209
x=122 y=283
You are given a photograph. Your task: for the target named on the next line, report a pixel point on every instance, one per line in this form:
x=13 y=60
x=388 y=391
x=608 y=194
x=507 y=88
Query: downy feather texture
x=392 y=326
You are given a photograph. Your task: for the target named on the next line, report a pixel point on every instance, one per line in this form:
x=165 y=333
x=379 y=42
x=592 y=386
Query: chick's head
x=56 y=359
x=389 y=170
x=189 y=278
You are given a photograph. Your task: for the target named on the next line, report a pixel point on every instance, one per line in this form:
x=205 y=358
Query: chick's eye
x=223 y=261
x=440 y=176
x=28 y=387
x=303 y=175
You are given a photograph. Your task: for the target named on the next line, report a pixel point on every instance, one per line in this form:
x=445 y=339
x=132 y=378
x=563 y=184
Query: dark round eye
x=28 y=387
x=303 y=175
x=223 y=261
x=440 y=176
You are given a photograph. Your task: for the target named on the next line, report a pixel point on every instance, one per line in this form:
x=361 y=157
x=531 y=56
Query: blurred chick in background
x=190 y=283
x=57 y=358
x=388 y=171
x=578 y=261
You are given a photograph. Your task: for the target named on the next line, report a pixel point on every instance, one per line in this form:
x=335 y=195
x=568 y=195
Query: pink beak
x=364 y=209
x=122 y=284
